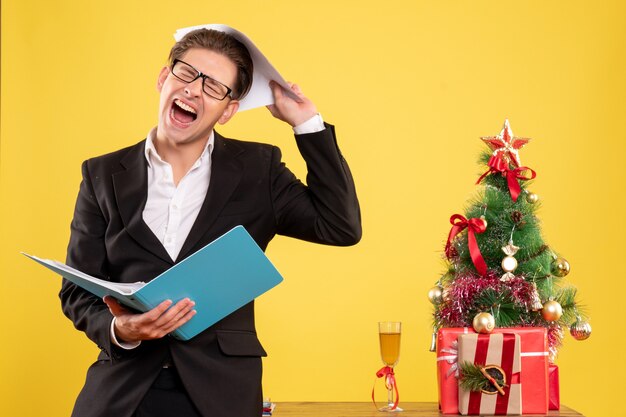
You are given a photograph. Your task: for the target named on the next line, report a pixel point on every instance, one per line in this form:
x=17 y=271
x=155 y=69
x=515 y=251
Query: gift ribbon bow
x=498 y=165
x=390 y=383
x=451 y=359
x=475 y=225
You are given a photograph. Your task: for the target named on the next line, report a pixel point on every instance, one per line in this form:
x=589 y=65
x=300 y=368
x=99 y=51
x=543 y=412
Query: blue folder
x=220 y=278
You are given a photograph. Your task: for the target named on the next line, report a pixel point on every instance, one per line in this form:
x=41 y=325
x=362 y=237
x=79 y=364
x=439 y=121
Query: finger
x=277 y=90
x=176 y=321
x=175 y=324
x=157 y=311
x=275 y=112
x=294 y=94
x=180 y=309
x=114 y=306
x=174 y=313
x=272 y=109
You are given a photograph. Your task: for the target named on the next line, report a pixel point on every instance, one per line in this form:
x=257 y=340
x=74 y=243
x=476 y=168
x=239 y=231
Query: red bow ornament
x=473 y=226
x=499 y=165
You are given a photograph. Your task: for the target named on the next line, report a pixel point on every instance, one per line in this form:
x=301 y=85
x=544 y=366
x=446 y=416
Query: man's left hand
x=294 y=112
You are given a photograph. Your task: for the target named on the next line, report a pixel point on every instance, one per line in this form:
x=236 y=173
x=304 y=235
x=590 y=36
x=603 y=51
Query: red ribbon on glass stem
x=390 y=384
x=499 y=165
x=475 y=225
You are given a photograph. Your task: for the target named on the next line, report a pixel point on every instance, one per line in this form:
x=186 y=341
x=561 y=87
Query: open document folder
x=221 y=277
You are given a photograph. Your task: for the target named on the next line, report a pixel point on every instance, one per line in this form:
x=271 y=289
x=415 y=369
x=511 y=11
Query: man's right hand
x=154 y=324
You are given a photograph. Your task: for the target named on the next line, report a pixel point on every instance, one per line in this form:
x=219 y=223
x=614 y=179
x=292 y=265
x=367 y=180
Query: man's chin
x=180 y=137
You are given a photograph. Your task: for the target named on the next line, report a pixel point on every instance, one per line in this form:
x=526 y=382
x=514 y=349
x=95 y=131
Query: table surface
x=367 y=409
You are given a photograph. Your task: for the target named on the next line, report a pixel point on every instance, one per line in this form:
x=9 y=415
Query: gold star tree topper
x=506 y=145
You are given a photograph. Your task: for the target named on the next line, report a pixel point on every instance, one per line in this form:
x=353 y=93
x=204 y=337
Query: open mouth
x=183 y=113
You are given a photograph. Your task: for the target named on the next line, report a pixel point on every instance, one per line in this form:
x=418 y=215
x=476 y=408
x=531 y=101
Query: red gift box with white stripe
x=534 y=357
x=501 y=350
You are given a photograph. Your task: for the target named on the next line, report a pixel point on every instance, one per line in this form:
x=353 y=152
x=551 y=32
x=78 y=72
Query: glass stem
x=390 y=395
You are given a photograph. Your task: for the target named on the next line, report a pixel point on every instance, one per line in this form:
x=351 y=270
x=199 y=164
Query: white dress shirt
x=171 y=209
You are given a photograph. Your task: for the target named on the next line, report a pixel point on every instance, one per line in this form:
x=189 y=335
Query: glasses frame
x=229 y=92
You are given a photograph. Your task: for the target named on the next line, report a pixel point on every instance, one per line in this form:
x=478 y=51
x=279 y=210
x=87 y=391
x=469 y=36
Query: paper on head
x=260 y=93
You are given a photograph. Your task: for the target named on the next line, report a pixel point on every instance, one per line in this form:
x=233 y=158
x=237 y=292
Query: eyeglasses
x=186 y=73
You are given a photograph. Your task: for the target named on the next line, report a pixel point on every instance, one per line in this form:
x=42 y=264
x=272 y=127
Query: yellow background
x=411 y=86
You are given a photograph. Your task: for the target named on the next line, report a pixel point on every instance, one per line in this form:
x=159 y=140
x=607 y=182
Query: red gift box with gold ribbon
x=498 y=353
x=534 y=360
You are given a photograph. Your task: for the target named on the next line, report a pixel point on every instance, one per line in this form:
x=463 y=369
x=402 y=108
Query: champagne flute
x=389 y=335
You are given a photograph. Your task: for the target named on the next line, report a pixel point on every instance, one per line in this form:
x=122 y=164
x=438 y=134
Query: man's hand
x=154 y=324
x=289 y=110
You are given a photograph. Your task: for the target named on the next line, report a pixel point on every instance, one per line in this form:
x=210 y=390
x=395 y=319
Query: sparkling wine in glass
x=389 y=334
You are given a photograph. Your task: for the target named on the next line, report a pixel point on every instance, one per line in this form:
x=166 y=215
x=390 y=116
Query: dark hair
x=224 y=44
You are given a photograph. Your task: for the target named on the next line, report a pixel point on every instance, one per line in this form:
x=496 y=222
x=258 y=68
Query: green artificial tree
x=500 y=271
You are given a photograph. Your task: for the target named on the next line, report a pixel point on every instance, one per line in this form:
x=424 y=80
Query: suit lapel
x=131 y=193
x=226 y=172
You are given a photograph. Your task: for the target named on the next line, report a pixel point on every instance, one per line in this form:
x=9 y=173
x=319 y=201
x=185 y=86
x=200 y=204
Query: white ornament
x=509 y=263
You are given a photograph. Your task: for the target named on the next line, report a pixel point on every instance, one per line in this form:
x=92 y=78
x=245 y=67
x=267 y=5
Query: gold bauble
x=580 y=329
x=552 y=311
x=484 y=323
x=509 y=264
x=435 y=294
x=532 y=198
x=560 y=267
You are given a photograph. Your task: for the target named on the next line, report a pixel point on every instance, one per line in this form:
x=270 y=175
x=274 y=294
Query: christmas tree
x=500 y=271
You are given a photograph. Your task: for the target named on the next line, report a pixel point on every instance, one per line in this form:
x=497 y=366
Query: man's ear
x=162 y=76
x=229 y=112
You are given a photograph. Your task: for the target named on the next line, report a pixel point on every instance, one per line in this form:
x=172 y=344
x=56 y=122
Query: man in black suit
x=143 y=208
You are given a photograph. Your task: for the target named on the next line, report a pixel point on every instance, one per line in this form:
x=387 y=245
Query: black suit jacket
x=221 y=367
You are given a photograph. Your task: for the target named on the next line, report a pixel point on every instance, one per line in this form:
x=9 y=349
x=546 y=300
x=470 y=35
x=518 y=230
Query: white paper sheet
x=260 y=93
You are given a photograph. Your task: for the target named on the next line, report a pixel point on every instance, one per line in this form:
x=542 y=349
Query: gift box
x=496 y=355
x=554 y=402
x=534 y=358
x=447 y=368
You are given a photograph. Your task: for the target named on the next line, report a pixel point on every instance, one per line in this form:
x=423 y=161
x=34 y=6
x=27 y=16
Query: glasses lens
x=184 y=72
x=215 y=89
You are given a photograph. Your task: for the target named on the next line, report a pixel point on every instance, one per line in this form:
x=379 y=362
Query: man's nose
x=194 y=88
